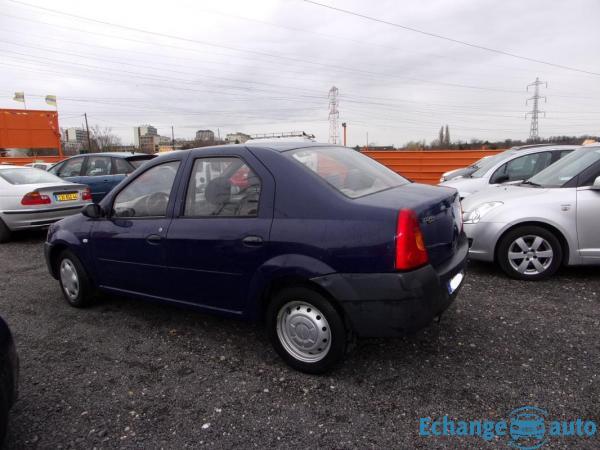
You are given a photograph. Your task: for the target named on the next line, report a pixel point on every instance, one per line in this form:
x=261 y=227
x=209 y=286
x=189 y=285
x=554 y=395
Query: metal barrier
x=427 y=166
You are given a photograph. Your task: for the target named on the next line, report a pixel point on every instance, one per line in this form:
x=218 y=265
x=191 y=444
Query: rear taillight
x=410 y=245
x=86 y=195
x=35 y=198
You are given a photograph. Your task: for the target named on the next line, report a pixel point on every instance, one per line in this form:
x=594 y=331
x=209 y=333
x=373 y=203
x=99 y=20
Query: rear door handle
x=154 y=239
x=252 y=241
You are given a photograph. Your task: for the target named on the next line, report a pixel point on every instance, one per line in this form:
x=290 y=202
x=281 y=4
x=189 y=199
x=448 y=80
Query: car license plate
x=454 y=282
x=67 y=196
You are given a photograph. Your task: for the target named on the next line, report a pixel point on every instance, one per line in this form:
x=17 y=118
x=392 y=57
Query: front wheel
x=530 y=253
x=306 y=330
x=74 y=282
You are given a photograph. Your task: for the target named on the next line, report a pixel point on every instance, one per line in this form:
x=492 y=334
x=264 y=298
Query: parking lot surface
x=130 y=374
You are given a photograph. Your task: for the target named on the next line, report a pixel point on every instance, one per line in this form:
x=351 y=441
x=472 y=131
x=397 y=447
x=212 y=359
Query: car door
x=220 y=233
x=588 y=207
x=129 y=245
x=97 y=174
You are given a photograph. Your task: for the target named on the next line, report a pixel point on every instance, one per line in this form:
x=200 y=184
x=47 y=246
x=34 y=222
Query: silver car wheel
x=530 y=254
x=303 y=331
x=69 y=278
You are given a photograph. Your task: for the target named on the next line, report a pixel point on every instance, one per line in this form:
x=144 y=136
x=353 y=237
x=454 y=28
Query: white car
x=515 y=164
x=33 y=198
x=40 y=165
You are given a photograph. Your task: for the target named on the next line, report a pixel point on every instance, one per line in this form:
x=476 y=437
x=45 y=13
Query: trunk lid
x=438 y=212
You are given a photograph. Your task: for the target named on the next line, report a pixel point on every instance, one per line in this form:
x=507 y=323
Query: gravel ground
x=131 y=374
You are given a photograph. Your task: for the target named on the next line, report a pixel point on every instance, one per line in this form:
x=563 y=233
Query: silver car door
x=588 y=222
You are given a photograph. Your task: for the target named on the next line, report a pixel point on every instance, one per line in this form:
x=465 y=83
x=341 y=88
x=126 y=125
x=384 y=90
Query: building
x=75 y=135
x=205 y=135
x=237 y=138
x=149 y=143
x=143 y=130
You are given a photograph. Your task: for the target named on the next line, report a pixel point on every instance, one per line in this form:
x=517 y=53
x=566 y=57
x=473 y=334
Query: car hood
x=466 y=186
x=502 y=193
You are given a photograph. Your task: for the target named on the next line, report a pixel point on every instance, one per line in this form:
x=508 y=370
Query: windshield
x=138 y=161
x=28 y=176
x=348 y=171
x=559 y=173
x=483 y=165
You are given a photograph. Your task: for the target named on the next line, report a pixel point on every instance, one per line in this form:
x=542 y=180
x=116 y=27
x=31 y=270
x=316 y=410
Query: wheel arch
x=564 y=244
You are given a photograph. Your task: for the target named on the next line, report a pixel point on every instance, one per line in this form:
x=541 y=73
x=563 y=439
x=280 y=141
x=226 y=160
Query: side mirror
x=93 y=211
x=500 y=179
x=596 y=185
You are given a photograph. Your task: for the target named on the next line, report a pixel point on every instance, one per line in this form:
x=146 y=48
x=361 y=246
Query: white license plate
x=454 y=282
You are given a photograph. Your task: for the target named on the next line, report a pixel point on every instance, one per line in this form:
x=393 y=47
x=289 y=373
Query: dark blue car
x=100 y=171
x=321 y=242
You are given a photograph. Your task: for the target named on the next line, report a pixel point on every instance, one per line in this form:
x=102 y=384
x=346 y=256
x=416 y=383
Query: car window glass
x=71 y=168
x=147 y=195
x=121 y=166
x=97 y=166
x=522 y=168
x=486 y=164
x=222 y=187
x=568 y=167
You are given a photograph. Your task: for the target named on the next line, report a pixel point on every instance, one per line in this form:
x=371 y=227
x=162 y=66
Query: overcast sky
x=266 y=66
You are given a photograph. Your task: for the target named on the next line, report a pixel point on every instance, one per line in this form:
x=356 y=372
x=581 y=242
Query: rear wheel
x=306 y=330
x=74 y=282
x=4 y=232
x=530 y=253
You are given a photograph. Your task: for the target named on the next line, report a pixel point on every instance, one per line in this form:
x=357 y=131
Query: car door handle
x=154 y=239
x=252 y=241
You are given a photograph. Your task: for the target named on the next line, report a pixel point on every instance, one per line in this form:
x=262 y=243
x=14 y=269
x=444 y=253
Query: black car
x=9 y=371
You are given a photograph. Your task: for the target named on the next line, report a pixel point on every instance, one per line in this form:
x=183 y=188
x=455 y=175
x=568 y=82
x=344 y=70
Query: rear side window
x=225 y=187
x=148 y=195
x=98 y=166
x=350 y=172
x=121 y=166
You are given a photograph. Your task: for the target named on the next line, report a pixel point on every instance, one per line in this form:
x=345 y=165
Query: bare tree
x=103 y=139
x=447 y=137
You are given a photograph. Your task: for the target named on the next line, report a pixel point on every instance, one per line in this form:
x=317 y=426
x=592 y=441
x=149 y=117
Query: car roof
x=520 y=151
x=113 y=154
x=275 y=146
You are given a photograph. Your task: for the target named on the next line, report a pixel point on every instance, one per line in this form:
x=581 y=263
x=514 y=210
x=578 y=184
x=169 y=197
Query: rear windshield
x=28 y=176
x=348 y=171
x=568 y=167
x=139 y=161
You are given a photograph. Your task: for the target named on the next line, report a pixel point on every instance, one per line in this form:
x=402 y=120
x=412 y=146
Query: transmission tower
x=533 y=131
x=334 y=115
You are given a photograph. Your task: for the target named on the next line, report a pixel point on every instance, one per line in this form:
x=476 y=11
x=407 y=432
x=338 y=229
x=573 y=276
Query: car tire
x=530 y=253
x=306 y=330
x=74 y=281
x=4 y=232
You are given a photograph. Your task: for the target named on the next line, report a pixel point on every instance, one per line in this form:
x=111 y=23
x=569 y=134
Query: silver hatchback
x=533 y=228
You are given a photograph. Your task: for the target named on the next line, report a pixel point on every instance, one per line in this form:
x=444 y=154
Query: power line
x=446 y=38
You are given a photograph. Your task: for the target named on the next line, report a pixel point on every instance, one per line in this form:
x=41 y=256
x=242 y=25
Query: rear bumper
x=395 y=304
x=21 y=219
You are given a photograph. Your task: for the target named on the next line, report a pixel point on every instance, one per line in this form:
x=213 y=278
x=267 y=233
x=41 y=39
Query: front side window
x=98 y=166
x=522 y=168
x=71 y=168
x=148 y=195
x=483 y=165
x=351 y=173
x=224 y=187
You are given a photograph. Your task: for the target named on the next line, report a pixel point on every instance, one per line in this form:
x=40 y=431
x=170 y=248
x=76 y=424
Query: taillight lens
x=86 y=195
x=35 y=198
x=410 y=245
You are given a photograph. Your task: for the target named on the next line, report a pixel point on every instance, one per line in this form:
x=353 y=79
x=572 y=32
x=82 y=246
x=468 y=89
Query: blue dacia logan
x=320 y=241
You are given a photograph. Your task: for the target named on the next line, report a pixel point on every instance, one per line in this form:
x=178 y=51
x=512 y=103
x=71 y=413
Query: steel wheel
x=303 y=331
x=530 y=255
x=69 y=278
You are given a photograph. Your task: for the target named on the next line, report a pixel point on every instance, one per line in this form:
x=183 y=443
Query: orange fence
x=427 y=166
x=29 y=129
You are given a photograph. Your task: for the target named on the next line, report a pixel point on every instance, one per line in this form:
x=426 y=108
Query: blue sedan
x=100 y=171
x=321 y=242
